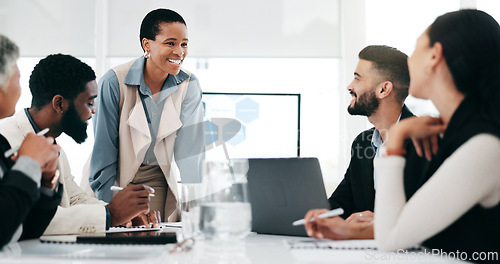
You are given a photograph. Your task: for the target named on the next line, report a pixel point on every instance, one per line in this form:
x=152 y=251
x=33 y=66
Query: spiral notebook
x=165 y=226
x=116 y=253
x=326 y=244
x=331 y=244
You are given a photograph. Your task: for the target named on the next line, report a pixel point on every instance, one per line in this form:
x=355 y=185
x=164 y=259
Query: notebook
x=331 y=244
x=89 y=253
x=281 y=191
x=165 y=226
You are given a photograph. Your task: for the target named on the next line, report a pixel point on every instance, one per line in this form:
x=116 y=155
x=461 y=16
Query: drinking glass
x=225 y=212
x=190 y=209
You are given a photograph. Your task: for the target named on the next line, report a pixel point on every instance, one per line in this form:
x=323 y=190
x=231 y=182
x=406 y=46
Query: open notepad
x=141 y=232
x=311 y=243
x=331 y=244
x=143 y=228
x=41 y=252
x=348 y=251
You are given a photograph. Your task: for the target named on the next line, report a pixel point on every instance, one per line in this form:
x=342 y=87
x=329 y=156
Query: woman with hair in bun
x=456 y=64
x=150 y=118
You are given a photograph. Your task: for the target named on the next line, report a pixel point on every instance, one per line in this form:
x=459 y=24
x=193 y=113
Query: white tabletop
x=261 y=249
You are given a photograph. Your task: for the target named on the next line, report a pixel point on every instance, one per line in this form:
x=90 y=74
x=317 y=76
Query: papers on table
x=331 y=244
x=52 y=251
x=59 y=239
x=143 y=228
x=132 y=229
x=172 y=224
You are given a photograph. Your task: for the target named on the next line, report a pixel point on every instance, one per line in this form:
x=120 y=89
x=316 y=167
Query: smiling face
x=170 y=47
x=362 y=89
x=418 y=65
x=75 y=119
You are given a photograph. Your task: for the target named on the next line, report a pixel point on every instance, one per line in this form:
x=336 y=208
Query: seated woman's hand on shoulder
x=423 y=131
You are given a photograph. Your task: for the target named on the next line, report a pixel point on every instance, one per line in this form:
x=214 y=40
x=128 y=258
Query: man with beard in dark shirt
x=379 y=89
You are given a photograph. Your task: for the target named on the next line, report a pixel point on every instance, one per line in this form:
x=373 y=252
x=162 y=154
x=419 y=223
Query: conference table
x=255 y=248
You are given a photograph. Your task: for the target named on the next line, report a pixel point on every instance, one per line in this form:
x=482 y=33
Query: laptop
x=281 y=191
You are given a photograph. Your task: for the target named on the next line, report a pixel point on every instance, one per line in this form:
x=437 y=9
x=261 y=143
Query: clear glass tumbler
x=225 y=212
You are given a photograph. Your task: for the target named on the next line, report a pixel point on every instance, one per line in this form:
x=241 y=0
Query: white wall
x=229 y=28
x=42 y=27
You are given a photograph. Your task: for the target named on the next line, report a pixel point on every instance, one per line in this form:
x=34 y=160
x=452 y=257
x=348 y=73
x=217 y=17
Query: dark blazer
x=356 y=192
x=22 y=203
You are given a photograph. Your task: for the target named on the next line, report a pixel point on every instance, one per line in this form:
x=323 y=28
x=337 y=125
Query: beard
x=366 y=105
x=73 y=126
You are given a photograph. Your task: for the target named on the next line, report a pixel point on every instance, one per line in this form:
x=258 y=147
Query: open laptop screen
x=282 y=191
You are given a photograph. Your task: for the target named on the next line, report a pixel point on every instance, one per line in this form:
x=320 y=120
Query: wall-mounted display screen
x=252 y=125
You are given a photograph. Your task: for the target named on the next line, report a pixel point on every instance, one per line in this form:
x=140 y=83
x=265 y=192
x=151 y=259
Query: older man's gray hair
x=9 y=53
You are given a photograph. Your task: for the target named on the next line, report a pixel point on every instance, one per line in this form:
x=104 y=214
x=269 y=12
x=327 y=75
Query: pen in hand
x=13 y=150
x=116 y=189
x=332 y=213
